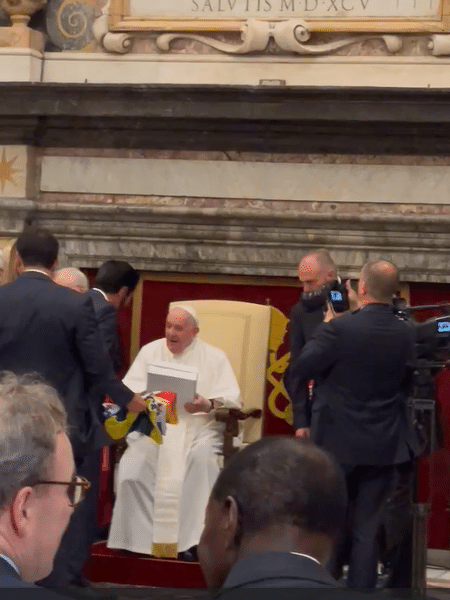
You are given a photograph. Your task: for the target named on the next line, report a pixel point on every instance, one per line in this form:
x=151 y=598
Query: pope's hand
x=137 y=404
x=199 y=404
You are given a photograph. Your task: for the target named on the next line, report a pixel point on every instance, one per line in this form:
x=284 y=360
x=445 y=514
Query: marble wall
x=162 y=212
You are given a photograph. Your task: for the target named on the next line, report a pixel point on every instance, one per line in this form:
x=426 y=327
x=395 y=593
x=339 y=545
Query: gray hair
x=31 y=417
x=74 y=275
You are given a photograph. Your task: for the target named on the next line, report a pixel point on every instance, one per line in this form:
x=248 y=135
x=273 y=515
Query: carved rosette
x=70 y=22
x=20 y=11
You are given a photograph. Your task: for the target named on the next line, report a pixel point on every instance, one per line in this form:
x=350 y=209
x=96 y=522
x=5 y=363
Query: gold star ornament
x=6 y=170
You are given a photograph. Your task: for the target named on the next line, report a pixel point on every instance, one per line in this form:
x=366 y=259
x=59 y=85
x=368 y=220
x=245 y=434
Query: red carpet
x=126 y=568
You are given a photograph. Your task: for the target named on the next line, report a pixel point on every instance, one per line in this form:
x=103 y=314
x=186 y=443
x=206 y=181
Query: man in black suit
x=315 y=270
x=53 y=331
x=272 y=518
x=114 y=285
x=361 y=365
x=39 y=487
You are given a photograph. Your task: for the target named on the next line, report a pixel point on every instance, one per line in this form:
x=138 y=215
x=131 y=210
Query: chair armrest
x=231 y=418
x=224 y=415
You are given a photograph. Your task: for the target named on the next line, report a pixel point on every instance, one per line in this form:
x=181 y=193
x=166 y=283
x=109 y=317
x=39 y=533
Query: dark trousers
x=82 y=530
x=398 y=528
x=368 y=490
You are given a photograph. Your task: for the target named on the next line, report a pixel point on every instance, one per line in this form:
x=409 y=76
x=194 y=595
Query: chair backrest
x=241 y=330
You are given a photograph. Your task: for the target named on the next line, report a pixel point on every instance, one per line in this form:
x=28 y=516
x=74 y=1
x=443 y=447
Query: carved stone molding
x=240 y=242
x=292 y=35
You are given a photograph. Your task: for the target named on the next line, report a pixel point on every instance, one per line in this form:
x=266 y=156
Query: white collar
x=36 y=271
x=10 y=562
x=101 y=292
x=306 y=556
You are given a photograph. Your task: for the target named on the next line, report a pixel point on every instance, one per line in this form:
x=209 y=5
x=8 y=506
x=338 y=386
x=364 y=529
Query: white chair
x=241 y=330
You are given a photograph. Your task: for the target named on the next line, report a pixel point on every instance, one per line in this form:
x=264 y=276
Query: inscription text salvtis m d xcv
x=320 y=9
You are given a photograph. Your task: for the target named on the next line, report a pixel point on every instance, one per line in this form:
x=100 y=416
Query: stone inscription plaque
x=280 y=9
x=319 y=15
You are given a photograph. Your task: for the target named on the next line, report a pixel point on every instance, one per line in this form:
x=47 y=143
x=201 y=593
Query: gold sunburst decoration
x=7 y=171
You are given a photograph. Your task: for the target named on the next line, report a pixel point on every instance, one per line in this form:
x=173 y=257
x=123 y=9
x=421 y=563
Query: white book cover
x=179 y=379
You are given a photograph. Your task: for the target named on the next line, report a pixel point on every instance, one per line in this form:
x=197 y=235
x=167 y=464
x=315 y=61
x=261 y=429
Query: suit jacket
x=107 y=321
x=361 y=363
x=302 y=325
x=275 y=570
x=9 y=578
x=51 y=330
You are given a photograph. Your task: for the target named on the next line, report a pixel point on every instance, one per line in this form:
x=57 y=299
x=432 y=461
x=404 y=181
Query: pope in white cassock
x=163 y=490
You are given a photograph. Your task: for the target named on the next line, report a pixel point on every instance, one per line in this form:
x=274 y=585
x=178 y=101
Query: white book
x=182 y=380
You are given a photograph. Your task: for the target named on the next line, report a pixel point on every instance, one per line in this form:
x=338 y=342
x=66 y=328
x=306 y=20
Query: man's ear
x=230 y=522
x=363 y=287
x=21 y=512
x=124 y=295
x=18 y=265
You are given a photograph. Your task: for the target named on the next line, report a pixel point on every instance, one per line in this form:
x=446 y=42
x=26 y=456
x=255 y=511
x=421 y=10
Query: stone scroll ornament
x=119 y=43
x=291 y=35
x=70 y=22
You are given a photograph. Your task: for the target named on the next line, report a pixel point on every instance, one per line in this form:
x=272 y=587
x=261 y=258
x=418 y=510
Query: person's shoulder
x=67 y=296
x=101 y=306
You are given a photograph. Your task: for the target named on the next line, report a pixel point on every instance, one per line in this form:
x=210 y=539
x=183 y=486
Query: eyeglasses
x=76 y=488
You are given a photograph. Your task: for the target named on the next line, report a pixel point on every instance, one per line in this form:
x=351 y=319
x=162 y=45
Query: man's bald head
x=181 y=329
x=72 y=278
x=315 y=269
x=379 y=281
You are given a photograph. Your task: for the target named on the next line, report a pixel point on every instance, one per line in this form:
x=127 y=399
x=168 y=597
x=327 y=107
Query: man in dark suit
x=53 y=331
x=361 y=365
x=114 y=285
x=272 y=518
x=39 y=487
x=315 y=270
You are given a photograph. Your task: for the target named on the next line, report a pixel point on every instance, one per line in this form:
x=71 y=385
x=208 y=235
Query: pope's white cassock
x=162 y=491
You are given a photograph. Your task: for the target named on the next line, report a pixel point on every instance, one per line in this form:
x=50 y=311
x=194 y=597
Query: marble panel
x=336 y=183
x=336 y=71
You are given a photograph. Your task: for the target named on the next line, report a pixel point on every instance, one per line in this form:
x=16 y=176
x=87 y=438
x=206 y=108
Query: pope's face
x=180 y=330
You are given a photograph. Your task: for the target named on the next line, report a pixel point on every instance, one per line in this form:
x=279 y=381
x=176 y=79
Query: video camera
x=432 y=335
x=432 y=353
x=333 y=292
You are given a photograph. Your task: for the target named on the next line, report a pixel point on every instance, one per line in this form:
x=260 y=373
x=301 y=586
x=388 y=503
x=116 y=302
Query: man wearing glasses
x=39 y=488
